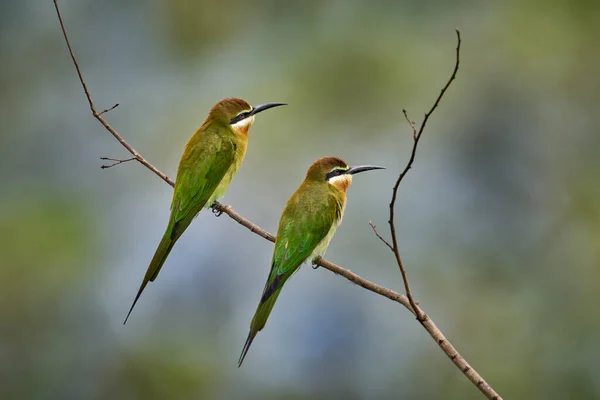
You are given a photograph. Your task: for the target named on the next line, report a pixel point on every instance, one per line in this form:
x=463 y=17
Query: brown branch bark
x=406 y=301
x=422 y=317
x=416 y=137
x=98 y=115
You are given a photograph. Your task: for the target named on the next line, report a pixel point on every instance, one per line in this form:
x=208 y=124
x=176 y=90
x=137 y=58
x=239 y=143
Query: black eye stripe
x=239 y=117
x=335 y=172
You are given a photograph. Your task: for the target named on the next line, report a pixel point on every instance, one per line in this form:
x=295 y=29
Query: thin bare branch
x=336 y=269
x=380 y=237
x=116 y=161
x=417 y=137
x=98 y=115
x=422 y=317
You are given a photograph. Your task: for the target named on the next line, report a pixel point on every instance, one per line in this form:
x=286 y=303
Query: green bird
x=210 y=159
x=307 y=224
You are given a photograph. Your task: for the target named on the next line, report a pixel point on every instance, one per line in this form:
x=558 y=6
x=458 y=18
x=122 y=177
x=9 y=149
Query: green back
x=307 y=224
x=307 y=219
x=206 y=159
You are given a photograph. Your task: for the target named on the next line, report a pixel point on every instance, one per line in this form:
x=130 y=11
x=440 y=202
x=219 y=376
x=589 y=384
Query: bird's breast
x=238 y=157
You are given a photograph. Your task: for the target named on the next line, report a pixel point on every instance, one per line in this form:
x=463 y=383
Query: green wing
x=307 y=219
x=203 y=165
x=305 y=222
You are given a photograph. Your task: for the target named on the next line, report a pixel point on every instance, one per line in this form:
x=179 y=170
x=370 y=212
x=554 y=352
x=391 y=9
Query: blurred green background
x=499 y=220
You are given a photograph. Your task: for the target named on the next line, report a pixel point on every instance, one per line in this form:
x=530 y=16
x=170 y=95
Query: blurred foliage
x=499 y=220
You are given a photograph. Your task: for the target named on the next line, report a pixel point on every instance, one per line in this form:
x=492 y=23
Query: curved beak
x=355 y=169
x=263 y=107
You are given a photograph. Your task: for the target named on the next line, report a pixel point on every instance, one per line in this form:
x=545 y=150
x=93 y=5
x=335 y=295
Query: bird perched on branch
x=309 y=221
x=210 y=159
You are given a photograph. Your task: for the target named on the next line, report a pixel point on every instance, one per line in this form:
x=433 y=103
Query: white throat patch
x=243 y=123
x=341 y=180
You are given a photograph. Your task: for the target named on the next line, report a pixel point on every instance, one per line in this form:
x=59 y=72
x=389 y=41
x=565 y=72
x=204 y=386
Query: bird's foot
x=314 y=263
x=215 y=209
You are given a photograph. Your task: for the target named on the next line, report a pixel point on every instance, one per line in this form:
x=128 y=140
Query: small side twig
x=116 y=161
x=381 y=237
x=108 y=109
x=411 y=123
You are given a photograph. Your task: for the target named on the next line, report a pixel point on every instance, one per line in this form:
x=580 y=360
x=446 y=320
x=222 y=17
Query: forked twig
x=116 y=161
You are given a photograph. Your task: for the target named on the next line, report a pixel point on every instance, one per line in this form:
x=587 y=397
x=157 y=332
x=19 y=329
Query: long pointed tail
x=160 y=256
x=249 y=340
x=258 y=322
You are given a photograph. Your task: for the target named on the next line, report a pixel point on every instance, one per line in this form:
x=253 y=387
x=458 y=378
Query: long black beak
x=263 y=107
x=362 y=168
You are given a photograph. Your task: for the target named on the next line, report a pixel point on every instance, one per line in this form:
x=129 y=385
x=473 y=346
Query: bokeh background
x=499 y=220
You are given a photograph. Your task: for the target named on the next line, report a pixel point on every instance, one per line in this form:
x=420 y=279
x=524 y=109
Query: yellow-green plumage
x=307 y=224
x=210 y=159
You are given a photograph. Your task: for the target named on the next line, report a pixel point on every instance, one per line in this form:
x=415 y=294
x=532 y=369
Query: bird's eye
x=241 y=116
